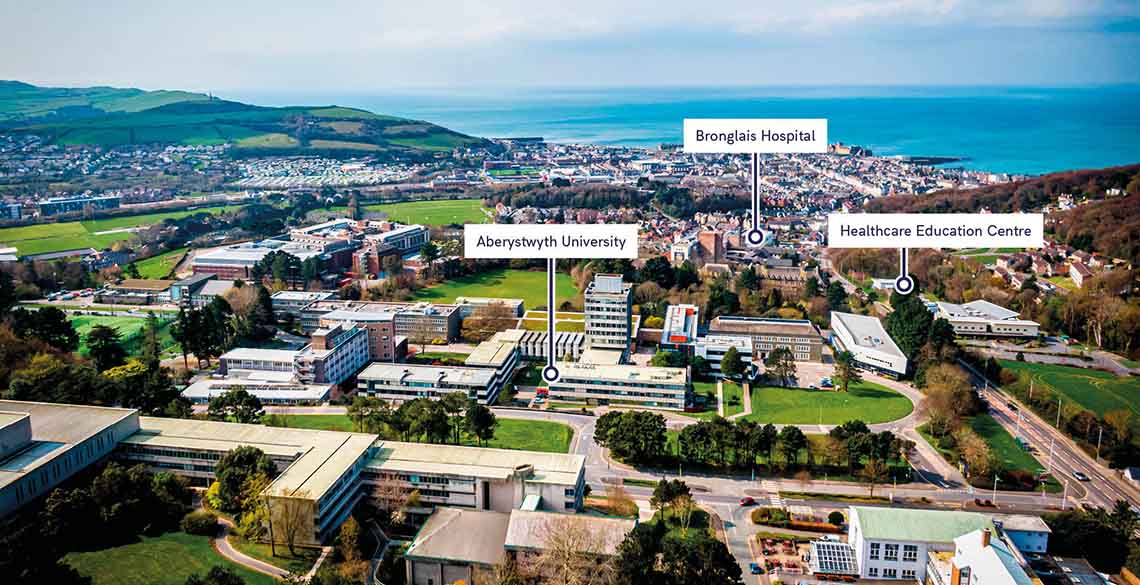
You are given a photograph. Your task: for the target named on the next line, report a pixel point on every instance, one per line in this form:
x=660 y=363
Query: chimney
x=986 y=538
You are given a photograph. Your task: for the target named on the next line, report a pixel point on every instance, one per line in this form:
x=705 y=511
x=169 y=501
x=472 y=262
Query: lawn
x=870 y=403
x=164 y=560
x=526 y=435
x=130 y=329
x=708 y=390
x=300 y=564
x=1095 y=390
x=443 y=212
x=70 y=235
x=506 y=283
x=733 y=398
x=160 y=267
x=1001 y=444
x=1063 y=281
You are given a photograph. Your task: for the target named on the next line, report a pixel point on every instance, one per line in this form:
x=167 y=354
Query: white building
x=713 y=348
x=403 y=382
x=1030 y=534
x=290 y=302
x=866 y=339
x=609 y=312
x=622 y=384
x=985 y=319
x=333 y=354
x=680 y=327
x=894 y=543
x=980 y=558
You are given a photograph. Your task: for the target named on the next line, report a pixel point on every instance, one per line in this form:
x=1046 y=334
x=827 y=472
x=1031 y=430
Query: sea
x=1017 y=130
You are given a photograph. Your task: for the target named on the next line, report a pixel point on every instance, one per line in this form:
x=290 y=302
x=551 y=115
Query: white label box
x=550 y=241
x=755 y=135
x=936 y=230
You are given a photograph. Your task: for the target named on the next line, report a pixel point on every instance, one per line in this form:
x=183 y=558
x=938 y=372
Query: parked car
x=1080 y=476
x=754 y=568
x=747 y=501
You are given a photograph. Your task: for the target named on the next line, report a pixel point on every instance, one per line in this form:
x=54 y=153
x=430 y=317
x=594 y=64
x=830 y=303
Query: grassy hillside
x=112 y=117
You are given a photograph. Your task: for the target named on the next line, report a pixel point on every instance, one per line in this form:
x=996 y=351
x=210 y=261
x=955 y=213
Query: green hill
x=112 y=117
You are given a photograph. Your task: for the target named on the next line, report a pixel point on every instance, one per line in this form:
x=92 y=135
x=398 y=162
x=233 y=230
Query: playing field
x=130 y=328
x=1095 y=390
x=870 y=403
x=164 y=560
x=511 y=284
x=443 y=212
x=510 y=433
x=159 y=267
x=71 y=235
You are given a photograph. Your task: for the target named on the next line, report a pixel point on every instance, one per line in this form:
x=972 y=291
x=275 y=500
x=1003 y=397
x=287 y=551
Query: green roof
x=906 y=524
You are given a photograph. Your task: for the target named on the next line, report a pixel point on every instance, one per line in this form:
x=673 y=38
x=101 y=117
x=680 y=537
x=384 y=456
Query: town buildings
x=797 y=335
x=985 y=319
x=869 y=343
x=77 y=204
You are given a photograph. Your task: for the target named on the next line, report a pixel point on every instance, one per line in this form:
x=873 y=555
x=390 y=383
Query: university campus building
x=622 y=384
x=868 y=342
x=798 y=335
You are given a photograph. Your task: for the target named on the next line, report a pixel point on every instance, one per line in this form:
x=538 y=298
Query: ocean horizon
x=1021 y=130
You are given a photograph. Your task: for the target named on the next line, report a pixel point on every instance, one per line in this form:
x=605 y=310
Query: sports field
x=511 y=284
x=1095 y=390
x=130 y=328
x=870 y=403
x=70 y=235
x=168 y=559
x=443 y=212
x=510 y=433
x=159 y=267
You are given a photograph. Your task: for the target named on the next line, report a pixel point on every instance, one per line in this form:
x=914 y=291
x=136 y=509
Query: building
x=712 y=245
x=498 y=355
x=443 y=551
x=468 y=305
x=980 y=558
x=405 y=238
x=680 y=327
x=894 y=543
x=276 y=388
x=622 y=384
x=713 y=348
x=609 y=312
x=534 y=346
x=106 y=258
x=333 y=355
x=985 y=319
x=323 y=474
x=370 y=258
x=237 y=260
x=383 y=343
x=403 y=382
x=182 y=291
x=420 y=322
x=871 y=346
x=1029 y=534
x=212 y=289
x=135 y=291
x=291 y=302
x=42 y=445
x=798 y=335
x=79 y=204
x=1079 y=273
x=683 y=251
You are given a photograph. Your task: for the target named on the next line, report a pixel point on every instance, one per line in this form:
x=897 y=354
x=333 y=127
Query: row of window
x=890 y=552
x=891 y=573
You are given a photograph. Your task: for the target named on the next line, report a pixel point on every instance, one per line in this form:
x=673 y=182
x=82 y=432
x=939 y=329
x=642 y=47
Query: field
x=1095 y=390
x=865 y=401
x=130 y=328
x=527 y=435
x=443 y=212
x=563 y=321
x=70 y=235
x=512 y=284
x=1001 y=444
x=164 y=560
x=159 y=267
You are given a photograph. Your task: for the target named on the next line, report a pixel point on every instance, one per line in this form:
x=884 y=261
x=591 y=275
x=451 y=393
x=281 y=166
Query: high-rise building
x=609 y=312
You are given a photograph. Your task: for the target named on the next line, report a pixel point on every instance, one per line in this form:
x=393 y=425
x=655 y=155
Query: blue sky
x=379 y=46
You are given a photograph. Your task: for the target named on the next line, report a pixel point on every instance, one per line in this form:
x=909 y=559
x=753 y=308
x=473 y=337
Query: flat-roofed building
x=798 y=335
x=383 y=343
x=534 y=346
x=500 y=356
x=868 y=342
x=42 y=445
x=402 y=382
x=77 y=204
x=418 y=321
x=237 y=260
x=714 y=347
x=680 y=327
x=894 y=543
x=257 y=359
x=333 y=355
x=468 y=305
x=985 y=319
x=291 y=302
x=406 y=238
x=1030 y=534
x=182 y=291
x=980 y=558
x=622 y=384
x=278 y=388
x=609 y=312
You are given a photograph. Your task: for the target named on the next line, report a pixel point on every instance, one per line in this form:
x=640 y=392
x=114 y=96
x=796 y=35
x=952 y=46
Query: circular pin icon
x=904 y=285
x=550 y=373
x=755 y=237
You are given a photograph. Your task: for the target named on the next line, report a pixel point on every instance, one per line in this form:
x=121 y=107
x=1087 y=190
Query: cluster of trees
x=244 y=313
x=235 y=405
x=116 y=503
x=1103 y=537
x=636 y=436
x=286 y=270
x=651 y=555
x=242 y=474
x=926 y=341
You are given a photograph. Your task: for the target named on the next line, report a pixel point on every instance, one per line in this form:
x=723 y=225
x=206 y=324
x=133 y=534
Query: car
x=1080 y=475
x=747 y=501
x=754 y=568
x=1011 y=406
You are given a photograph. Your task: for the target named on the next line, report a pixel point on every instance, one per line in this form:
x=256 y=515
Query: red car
x=747 y=501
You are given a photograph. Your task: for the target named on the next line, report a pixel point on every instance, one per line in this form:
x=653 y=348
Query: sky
x=385 y=46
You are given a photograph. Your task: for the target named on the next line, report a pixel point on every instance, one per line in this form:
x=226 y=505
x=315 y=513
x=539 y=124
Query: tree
x=874 y=472
x=845 y=371
x=637 y=436
x=792 y=441
x=636 y=559
x=48 y=378
x=455 y=404
x=572 y=553
x=731 y=365
x=480 y=423
x=235 y=468
x=836 y=296
x=8 y=296
x=781 y=364
x=105 y=347
x=909 y=324
x=131 y=271
x=699 y=559
x=216 y=576
x=429 y=252
x=836 y=518
x=683 y=506
x=151 y=352
x=236 y=405
x=50 y=325
x=488 y=320
x=348 y=539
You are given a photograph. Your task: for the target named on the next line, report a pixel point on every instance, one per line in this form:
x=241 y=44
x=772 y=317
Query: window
x=873 y=572
x=908 y=573
x=874 y=551
x=891 y=552
x=890 y=574
x=910 y=553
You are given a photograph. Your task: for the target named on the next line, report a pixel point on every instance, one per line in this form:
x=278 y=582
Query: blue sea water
x=1014 y=130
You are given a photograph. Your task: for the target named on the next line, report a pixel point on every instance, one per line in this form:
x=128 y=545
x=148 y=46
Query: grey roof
x=867 y=332
x=463 y=536
x=1021 y=523
x=531 y=530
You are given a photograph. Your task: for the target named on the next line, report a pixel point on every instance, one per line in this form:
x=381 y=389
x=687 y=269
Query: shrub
x=836 y=518
x=200 y=522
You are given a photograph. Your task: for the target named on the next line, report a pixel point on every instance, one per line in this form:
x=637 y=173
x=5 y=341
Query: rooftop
x=300 y=295
x=491 y=353
x=1021 y=522
x=762 y=326
x=625 y=373
x=908 y=524
x=425 y=374
x=530 y=530
x=496 y=464
x=256 y=353
x=448 y=533
x=867 y=332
